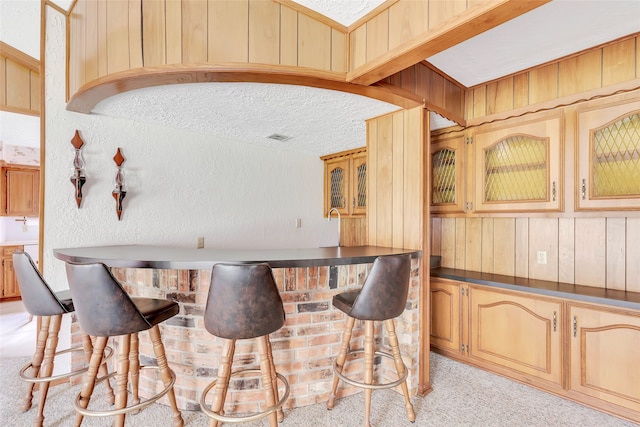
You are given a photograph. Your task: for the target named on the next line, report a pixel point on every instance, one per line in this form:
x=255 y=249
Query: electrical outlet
x=541 y=257
x=200 y=243
x=298 y=222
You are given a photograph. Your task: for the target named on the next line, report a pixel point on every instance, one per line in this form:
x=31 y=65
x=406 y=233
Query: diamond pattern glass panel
x=444 y=177
x=337 y=188
x=616 y=158
x=361 y=198
x=516 y=169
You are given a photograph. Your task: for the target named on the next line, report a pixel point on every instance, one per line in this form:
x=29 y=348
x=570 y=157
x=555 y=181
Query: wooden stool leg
x=274 y=380
x=122 y=376
x=90 y=376
x=267 y=378
x=87 y=344
x=342 y=356
x=368 y=368
x=158 y=350
x=134 y=369
x=36 y=360
x=222 y=383
x=400 y=368
x=47 y=365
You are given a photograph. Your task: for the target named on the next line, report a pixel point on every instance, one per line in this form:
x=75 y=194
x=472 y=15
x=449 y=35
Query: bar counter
x=303 y=349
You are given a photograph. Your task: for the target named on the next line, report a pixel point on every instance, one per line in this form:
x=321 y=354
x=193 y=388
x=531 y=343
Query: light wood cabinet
x=448 y=154
x=10 y=289
x=345 y=182
x=608 y=157
x=446 y=310
x=20 y=191
x=518 y=166
x=604 y=352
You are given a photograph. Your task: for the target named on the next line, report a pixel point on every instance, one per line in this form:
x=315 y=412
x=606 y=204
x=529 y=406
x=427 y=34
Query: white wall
x=181 y=185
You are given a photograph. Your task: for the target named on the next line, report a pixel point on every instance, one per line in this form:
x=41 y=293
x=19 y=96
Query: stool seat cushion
x=156 y=311
x=344 y=301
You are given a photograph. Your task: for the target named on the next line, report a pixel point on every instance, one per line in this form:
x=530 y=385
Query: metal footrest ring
x=125 y=410
x=108 y=352
x=370 y=386
x=239 y=419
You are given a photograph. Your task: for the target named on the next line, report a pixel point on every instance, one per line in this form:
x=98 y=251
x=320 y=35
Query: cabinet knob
x=553 y=191
x=575 y=326
x=583 y=189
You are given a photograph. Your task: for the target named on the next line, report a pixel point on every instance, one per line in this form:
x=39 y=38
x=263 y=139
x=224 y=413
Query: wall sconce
x=78 y=178
x=120 y=191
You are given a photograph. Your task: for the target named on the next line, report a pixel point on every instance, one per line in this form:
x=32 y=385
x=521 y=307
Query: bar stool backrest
x=243 y=301
x=103 y=306
x=384 y=293
x=37 y=296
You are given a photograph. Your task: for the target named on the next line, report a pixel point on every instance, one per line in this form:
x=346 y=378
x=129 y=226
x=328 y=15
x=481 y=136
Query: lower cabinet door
x=604 y=356
x=445 y=314
x=520 y=333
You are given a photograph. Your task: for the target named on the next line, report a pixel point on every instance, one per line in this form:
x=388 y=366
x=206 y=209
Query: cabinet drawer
x=7 y=251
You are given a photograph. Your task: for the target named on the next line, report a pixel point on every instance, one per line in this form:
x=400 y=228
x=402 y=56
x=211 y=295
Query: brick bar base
x=303 y=349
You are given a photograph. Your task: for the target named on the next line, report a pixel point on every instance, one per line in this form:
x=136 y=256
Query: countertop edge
x=589 y=294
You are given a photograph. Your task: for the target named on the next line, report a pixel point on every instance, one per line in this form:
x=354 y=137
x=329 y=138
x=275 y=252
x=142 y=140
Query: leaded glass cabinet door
x=517 y=168
x=337 y=185
x=608 y=173
x=447 y=173
x=359 y=184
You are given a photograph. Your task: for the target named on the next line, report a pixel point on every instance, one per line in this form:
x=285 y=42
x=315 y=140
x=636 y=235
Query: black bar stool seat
x=40 y=300
x=243 y=303
x=105 y=310
x=383 y=297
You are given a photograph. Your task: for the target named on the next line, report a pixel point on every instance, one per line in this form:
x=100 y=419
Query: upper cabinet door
x=337 y=185
x=359 y=184
x=447 y=174
x=21 y=188
x=608 y=146
x=517 y=168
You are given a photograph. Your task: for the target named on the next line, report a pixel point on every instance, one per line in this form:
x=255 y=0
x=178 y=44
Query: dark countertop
x=175 y=257
x=591 y=294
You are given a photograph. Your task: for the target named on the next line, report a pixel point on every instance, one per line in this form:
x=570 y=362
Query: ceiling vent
x=279 y=137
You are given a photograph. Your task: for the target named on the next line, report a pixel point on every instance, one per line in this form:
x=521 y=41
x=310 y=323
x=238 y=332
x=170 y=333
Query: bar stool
x=382 y=298
x=104 y=310
x=244 y=302
x=40 y=300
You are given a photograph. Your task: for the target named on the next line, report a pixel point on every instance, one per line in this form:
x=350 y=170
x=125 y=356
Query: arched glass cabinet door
x=447 y=174
x=337 y=185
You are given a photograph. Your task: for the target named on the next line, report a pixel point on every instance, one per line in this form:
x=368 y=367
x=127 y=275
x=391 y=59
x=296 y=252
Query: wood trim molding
x=20 y=57
x=313 y=14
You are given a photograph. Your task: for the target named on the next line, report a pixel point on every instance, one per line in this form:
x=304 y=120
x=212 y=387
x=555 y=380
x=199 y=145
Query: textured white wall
x=181 y=184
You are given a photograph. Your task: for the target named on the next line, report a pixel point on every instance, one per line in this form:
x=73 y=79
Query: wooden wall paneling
x=135 y=34
x=615 y=253
x=3 y=80
x=229 y=31
x=407 y=19
x=314 y=43
x=441 y=11
x=195 y=34
x=384 y=187
x=580 y=73
x=590 y=251
x=76 y=67
x=520 y=90
x=480 y=101
x=91 y=41
x=453 y=99
x=633 y=255
x=372 y=181
x=358 y=47
x=117 y=36
x=543 y=84
x=264 y=32
x=102 y=38
x=522 y=247
x=638 y=57
x=460 y=242
x=173 y=31
x=153 y=33
x=378 y=35
x=289 y=36
x=618 y=64
x=487 y=255
x=398 y=173
x=504 y=246
x=566 y=250
x=500 y=96
x=409 y=78
x=448 y=243
x=18 y=92
x=415 y=181
x=473 y=244
x=35 y=91
x=543 y=236
x=431 y=84
x=436 y=235
x=338 y=51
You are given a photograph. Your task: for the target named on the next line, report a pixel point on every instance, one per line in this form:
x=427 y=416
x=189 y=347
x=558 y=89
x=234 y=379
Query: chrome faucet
x=329 y=219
